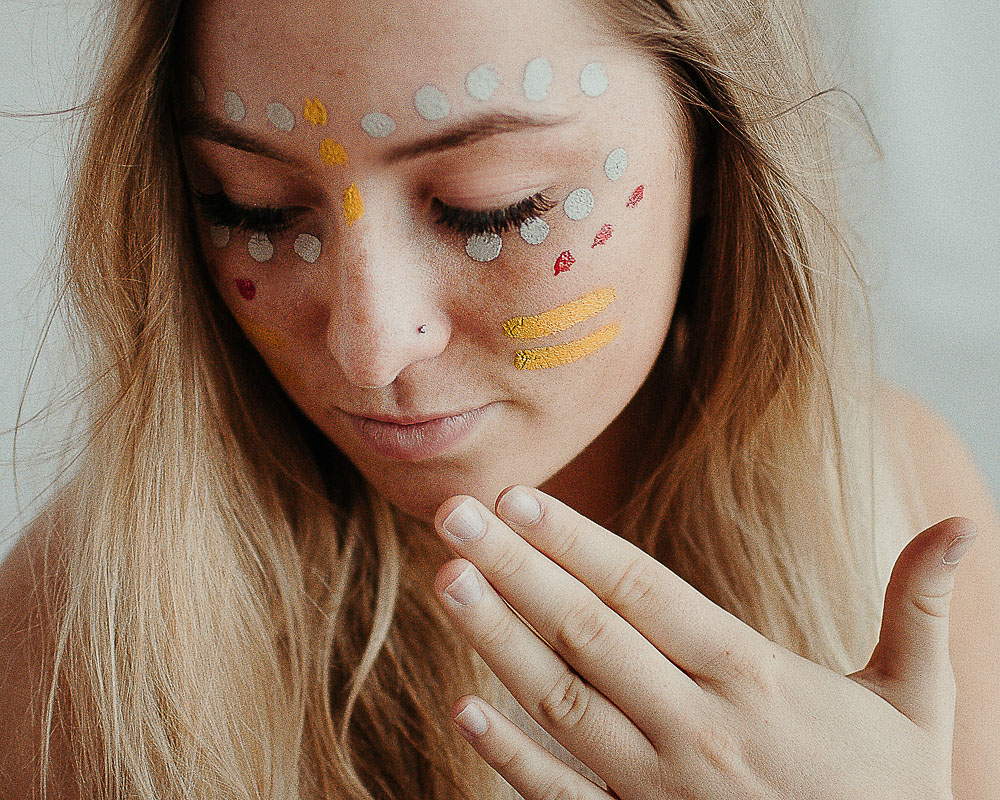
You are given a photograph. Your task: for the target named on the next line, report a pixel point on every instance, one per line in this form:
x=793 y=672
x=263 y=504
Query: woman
x=349 y=273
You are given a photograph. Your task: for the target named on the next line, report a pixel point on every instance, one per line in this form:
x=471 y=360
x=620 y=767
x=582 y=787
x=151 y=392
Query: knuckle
x=556 y=789
x=566 y=703
x=584 y=624
x=637 y=586
x=717 y=749
x=934 y=605
x=564 y=541
x=498 y=635
x=750 y=677
x=507 y=564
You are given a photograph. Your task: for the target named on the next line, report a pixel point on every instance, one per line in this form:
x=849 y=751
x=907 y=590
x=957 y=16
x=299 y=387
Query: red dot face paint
x=603 y=235
x=636 y=197
x=564 y=262
x=247 y=288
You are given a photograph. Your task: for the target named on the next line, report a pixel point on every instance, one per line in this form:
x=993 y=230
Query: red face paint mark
x=603 y=235
x=636 y=197
x=564 y=262
x=247 y=288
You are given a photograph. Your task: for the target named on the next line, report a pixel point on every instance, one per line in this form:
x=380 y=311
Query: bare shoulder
x=951 y=483
x=24 y=656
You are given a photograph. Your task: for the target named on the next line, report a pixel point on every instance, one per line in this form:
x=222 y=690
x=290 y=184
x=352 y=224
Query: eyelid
x=221 y=210
x=497 y=220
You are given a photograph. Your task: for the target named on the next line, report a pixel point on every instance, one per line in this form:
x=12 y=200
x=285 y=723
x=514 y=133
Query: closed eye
x=220 y=210
x=470 y=222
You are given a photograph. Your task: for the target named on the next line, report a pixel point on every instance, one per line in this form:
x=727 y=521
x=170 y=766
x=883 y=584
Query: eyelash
x=220 y=210
x=496 y=221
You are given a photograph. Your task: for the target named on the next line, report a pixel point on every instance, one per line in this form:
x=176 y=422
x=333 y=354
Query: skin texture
x=342 y=334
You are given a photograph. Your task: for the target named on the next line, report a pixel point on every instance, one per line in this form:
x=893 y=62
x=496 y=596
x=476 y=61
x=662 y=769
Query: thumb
x=910 y=665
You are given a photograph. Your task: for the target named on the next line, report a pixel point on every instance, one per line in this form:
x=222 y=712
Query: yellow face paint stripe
x=259 y=333
x=562 y=317
x=354 y=206
x=314 y=112
x=557 y=355
x=332 y=152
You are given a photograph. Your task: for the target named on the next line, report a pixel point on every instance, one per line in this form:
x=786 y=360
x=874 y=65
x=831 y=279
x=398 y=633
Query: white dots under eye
x=219 y=236
x=484 y=246
x=281 y=116
x=377 y=125
x=260 y=247
x=616 y=164
x=537 y=79
x=431 y=103
x=534 y=230
x=308 y=247
x=594 y=79
x=579 y=204
x=482 y=82
x=233 y=106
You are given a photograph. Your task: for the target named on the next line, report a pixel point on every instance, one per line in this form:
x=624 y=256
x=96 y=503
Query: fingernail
x=473 y=720
x=520 y=507
x=959 y=547
x=465 y=589
x=465 y=522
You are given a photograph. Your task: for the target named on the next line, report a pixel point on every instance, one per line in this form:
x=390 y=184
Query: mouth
x=417 y=438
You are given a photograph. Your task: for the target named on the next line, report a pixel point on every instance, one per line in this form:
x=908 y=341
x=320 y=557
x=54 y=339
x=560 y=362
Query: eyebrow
x=464 y=133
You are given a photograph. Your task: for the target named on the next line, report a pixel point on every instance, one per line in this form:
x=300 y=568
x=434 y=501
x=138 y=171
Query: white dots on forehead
x=377 y=125
x=260 y=247
x=616 y=164
x=537 y=79
x=308 y=247
x=233 y=106
x=579 y=204
x=281 y=116
x=594 y=79
x=484 y=246
x=219 y=236
x=534 y=230
x=431 y=103
x=197 y=89
x=482 y=82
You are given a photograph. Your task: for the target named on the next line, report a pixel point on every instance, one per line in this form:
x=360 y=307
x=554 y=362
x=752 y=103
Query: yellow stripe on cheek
x=561 y=317
x=354 y=206
x=260 y=334
x=557 y=355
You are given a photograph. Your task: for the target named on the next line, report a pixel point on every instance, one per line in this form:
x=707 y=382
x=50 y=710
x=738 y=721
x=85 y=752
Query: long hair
x=240 y=615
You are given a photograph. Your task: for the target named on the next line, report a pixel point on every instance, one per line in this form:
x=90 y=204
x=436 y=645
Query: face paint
x=603 y=235
x=308 y=247
x=260 y=247
x=354 y=206
x=281 y=116
x=594 y=79
x=579 y=204
x=636 y=197
x=378 y=126
x=247 y=288
x=484 y=246
x=431 y=103
x=314 y=112
x=616 y=164
x=564 y=262
x=260 y=333
x=219 y=236
x=534 y=230
x=332 y=153
x=562 y=317
x=557 y=355
x=482 y=82
x=197 y=89
x=537 y=79
x=233 y=106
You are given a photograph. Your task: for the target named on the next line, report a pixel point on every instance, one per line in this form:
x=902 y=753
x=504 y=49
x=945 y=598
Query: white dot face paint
x=594 y=79
x=219 y=236
x=537 y=79
x=484 y=246
x=483 y=82
x=616 y=164
x=197 y=89
x=308 y=247
x=431 y=103
x=579 y=204
x=260 y=247
x=233 y=106
x=378 y=126
x=534 y=230
x=281 y=116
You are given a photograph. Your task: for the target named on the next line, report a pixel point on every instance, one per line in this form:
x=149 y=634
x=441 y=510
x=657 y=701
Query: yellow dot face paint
x=314 y=112
x=556 y=356
x=332 y=153
x=562 y=317
x=259 y=333
x=354 y=206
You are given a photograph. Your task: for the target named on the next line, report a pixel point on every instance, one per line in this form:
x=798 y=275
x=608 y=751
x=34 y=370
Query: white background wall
x=927 y=73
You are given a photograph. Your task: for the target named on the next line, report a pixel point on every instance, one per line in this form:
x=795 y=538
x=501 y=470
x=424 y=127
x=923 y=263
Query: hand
x=664 y=694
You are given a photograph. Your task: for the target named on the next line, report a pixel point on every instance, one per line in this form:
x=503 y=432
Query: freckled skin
x=349 y=323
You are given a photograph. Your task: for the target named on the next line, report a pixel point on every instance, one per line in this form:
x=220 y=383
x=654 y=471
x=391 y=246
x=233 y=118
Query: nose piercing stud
x=422 y=329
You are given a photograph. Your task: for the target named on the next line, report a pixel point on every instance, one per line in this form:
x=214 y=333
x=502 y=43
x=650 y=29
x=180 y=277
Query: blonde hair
x=240 y=615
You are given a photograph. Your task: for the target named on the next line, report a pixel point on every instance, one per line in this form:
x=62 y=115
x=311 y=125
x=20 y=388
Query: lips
x=417 y=438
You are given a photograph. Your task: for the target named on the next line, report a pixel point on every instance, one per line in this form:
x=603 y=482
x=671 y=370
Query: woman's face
x=416 y=210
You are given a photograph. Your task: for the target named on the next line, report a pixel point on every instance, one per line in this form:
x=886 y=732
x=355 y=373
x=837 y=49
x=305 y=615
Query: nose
x=385 y=313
